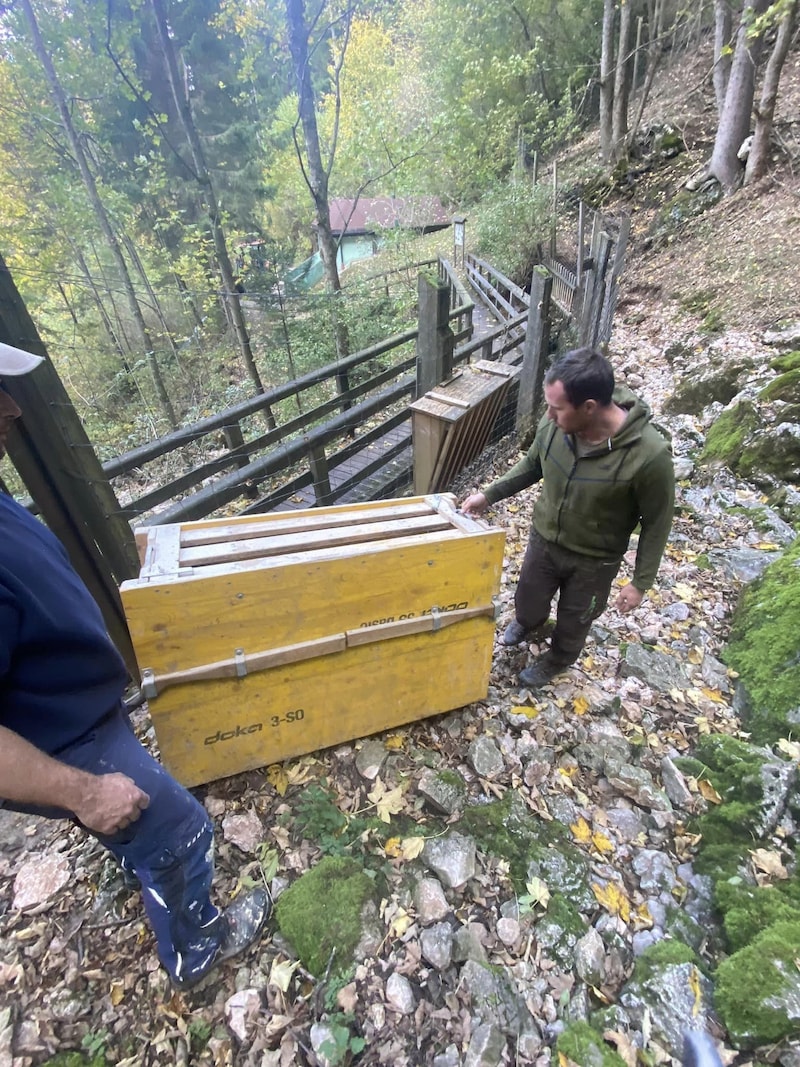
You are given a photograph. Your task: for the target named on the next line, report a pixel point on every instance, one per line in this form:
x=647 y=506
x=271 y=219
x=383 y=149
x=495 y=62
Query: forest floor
x=78 y=970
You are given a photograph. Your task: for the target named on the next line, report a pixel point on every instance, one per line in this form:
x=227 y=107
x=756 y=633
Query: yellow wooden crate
x=261 y=638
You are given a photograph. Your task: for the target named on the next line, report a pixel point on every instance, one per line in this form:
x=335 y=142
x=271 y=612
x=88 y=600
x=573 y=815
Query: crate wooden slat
x=267 y=637
x=452 y=423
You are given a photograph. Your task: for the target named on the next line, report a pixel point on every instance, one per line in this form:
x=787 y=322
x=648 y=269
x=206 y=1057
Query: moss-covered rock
x=726 y=438
x=785 y=387
x=695 y=392
x=321 y=913
x=763 y=648
x=586 y=1047
x=789 y=361
x=757 y=989
x=559 y=930
x=506 y=829
x=748 y=910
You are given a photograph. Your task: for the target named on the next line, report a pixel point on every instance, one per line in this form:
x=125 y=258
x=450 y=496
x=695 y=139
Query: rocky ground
x=591 y=756
x=592 y=753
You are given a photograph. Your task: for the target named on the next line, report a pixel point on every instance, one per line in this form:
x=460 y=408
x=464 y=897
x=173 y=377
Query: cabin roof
x=372 y=214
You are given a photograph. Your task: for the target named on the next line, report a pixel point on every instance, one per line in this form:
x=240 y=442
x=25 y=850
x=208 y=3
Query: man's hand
x=110 y=802
x=475 y=506
x=629 y=598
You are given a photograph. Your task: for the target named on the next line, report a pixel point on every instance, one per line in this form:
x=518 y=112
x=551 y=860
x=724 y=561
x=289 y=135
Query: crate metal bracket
x=149 y=689
x=436 y=616
x=240 y=662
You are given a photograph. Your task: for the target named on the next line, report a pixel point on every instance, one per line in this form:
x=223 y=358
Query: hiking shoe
x=244 y=920
x=541 y=672
x=514 y=633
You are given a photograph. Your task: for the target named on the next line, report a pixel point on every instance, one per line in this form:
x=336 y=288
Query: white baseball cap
x=15 y=361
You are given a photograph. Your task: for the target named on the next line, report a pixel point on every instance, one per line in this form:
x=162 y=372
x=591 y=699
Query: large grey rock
x=494 y=998
x=400 y=994
x=452 y=858
x=675 y=784
x=430 y=901
x=743 y=564
x=655 y=871
x=637 y=783
x=590 y=955
x=667 y=993
x=659 y=670
x=370 y=758
x=484 y=757
x=487 y=1047
x=444 y=791
x=436 y=943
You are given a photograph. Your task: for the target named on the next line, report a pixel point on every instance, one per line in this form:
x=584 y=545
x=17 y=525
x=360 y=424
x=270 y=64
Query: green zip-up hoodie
x=591 y=504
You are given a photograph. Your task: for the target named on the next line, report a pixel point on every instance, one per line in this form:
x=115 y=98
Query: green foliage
x=726 y=437
x=748 y=909
x=320 y=820
x=785 y=387
x=754 y=984
x=343 y=1043
x=585 y=1046
x=512 y=220
x=789 y=361
x=321 y=914
x=763 y=646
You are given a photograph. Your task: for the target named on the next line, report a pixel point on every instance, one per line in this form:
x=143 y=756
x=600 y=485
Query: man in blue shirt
x=67 y=749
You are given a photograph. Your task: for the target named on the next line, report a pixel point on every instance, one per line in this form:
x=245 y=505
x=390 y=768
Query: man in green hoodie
x=604 y=470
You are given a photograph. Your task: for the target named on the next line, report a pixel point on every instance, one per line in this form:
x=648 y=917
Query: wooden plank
x=306 y=521
x=451 y=400
x=163 y=552
x=354 y=535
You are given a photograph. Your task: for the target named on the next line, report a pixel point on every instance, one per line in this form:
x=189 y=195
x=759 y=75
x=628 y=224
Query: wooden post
x=318 y=462
x=639 y=23
x=234 y=439
x=593 y=306
x=555 y=211
x=435 y=342
x=537 y=340
x=535 y=168
x=61 y=471
x=581 y=227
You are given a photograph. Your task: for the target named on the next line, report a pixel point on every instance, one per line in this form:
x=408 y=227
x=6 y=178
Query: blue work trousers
x=170 y=847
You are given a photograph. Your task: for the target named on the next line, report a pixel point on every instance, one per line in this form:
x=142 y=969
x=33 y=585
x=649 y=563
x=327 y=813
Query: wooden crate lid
x=467 y=388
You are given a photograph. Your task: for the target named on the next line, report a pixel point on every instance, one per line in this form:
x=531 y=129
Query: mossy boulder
x=559 y=930
x=696 y=392
x=585 y=1046
x=321 y=914
x=727 y=436
x=757 y=991
x=748 y=910
x=786 y=387
x=763 y=648
x=760 y=442
x=533 y=847
x=789 y=361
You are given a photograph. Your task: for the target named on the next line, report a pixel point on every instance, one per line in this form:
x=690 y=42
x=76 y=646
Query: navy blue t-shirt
x=59 y=670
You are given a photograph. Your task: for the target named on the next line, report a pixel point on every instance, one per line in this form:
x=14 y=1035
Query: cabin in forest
x=357 y=225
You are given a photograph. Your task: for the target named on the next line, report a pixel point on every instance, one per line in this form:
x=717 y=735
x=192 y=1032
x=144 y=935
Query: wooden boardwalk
x=390 y=455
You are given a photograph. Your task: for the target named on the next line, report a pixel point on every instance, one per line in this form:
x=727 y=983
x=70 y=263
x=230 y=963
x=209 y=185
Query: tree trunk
x=655 y=16
x=230 y=296
x=622 y=81
x=315 y=173
x=758 y=158
x=99 y=210
x=723 y=26
x=734 y=123
x=606 y=82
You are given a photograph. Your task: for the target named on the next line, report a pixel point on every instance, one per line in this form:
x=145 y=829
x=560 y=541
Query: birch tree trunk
x=734 y=123
x=99 y=209
x=723 y=25
x=315 y=172
x=607 y=82
x=758 y=158
x=230 y=296
x=622 y=81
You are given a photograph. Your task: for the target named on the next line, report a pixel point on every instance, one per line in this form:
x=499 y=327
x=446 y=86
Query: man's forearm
x=104 y=803
x=30 y=776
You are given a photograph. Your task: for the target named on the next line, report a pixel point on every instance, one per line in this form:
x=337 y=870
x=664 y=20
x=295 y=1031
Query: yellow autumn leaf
x=769 y=862
x=529 y=713
x=394 y=741
x=387 y=802
x=280 y=974
x=694 y=985
x=278 y=779
x=766 y=546
x=581 y=831
x=392 y=847
x=683 y=591
x=300 y=773
x=695 y=655
x=116 y=993
x=708 y=792
x=713 y=695
x=642 y=919
x=791 y=748
x=400 y=922
x=580 y=705
x=412 y=847
x=613 y=899
x=538 y=892
x=601 y=842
